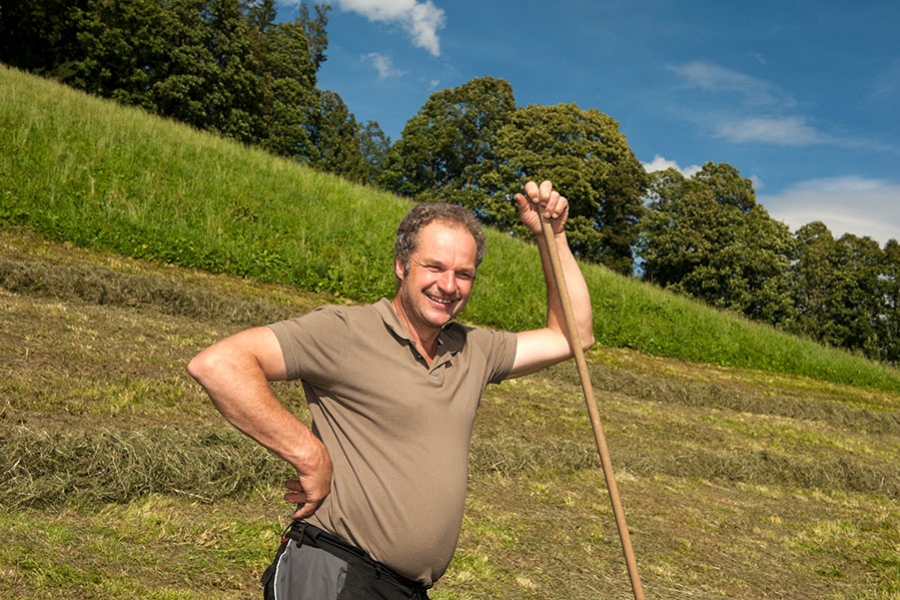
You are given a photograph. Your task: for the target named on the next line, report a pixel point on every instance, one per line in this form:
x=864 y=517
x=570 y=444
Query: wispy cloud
x=421 y=20
x=383 y=64
x=764 y=114
x=857 y=205
x=713 y=78
x=782 y=131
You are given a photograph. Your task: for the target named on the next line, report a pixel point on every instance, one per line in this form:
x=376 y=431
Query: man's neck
x=425 y=341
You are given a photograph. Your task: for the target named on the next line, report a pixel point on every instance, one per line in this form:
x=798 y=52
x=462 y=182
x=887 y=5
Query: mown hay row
x=95 y=284
x=713 y=395
x=40 y=468
x=511 y=456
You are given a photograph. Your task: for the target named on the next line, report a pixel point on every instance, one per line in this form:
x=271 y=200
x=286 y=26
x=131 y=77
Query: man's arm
x=235 y=372
x=544 y=347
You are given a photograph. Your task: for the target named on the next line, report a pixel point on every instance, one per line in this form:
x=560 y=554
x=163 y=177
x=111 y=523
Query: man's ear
x=398 y=269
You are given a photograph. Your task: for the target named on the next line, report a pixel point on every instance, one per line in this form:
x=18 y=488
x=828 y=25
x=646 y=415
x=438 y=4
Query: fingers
x=554 y=205
x=306 y=502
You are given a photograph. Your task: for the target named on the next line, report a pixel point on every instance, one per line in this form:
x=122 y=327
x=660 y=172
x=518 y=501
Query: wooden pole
x=584 y=375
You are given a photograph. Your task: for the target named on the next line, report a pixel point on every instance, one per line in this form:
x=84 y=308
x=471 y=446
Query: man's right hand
x=310 y=489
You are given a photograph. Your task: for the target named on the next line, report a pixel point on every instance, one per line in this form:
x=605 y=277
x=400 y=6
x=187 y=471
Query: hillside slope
x=86 y=171
x=120 y=479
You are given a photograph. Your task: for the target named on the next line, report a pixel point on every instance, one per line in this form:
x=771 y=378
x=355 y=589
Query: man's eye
x=465 y=276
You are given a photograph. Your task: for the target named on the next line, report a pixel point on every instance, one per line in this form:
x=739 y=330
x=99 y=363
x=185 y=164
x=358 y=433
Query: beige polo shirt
x=397 y=430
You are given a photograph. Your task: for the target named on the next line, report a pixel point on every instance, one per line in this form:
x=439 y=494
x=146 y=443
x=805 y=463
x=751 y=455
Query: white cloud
x=782 y=131
x=661 y=164
x=421 y=20
x=863 y=207
x=383 y=65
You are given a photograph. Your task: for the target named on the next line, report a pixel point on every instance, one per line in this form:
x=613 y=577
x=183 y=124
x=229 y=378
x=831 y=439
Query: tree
x=856 y=274
x=708 y=238
x=40 y=36
x=889 y=320
x=844 y=290
x=584 y=153
x=375 y=147
x=314 y=29
x=445 y=147
x=333 y=134
x=261 y=14
x=287 y=82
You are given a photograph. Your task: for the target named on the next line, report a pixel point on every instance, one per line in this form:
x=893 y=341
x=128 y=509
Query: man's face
x=440 y=277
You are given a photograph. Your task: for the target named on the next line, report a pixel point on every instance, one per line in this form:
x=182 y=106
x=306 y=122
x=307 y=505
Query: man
x=392 y=388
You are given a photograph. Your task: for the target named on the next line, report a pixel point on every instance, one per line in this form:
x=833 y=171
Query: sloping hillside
x=120 y=479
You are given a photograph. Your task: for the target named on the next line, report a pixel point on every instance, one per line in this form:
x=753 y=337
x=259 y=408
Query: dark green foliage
x=314 y=31
x=888 y=323
x=446 y=147
x=846 y=291
x=588 y=158
x=707 y=237
x=471 y=146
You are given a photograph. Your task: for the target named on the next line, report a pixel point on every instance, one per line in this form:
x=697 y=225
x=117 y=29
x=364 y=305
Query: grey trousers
x=312 y=565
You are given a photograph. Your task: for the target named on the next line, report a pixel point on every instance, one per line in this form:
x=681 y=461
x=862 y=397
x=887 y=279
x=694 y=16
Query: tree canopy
x=707 y=237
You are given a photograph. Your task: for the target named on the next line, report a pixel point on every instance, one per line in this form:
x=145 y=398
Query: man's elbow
x=588 y=341
x=202 y=367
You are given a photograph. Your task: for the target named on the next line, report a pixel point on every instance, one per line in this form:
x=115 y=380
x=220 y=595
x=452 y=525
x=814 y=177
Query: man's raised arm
x=544 y=347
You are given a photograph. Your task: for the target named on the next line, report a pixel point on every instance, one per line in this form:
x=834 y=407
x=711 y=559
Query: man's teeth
x=441 y=300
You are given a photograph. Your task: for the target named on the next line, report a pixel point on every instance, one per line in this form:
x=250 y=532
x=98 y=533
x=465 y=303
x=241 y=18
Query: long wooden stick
x=575 y=342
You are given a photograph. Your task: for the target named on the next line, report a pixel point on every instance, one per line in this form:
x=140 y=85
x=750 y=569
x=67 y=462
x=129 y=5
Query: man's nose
x=447 y=281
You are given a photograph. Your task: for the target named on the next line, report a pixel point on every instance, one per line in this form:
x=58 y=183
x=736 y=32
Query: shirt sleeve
x=314 y=345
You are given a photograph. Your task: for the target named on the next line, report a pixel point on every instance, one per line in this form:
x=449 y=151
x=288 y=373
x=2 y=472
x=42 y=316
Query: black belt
x=307 y=534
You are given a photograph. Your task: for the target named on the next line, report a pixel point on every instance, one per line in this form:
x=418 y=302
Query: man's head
x=422 y=215
x=439 y=247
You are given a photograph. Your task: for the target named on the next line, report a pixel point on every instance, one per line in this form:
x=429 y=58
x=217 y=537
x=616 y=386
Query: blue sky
x=802 y=97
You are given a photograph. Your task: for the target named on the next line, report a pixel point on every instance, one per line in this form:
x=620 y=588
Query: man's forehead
x=438 y=227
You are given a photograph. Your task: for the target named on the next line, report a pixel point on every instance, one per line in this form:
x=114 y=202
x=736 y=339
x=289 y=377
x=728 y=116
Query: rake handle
x=596 y=425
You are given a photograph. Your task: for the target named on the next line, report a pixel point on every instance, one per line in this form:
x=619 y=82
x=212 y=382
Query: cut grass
x=120 y=479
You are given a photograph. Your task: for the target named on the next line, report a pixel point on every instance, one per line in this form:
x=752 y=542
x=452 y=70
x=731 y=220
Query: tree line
x=230 y=67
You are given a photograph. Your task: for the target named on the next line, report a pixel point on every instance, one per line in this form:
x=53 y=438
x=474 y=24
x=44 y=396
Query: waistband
x=306 y=533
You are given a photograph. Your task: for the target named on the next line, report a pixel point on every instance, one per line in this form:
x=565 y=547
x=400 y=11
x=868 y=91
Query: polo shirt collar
x=449 y=340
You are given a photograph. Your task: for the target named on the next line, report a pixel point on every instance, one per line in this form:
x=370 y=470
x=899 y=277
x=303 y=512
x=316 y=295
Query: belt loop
x=298 y=529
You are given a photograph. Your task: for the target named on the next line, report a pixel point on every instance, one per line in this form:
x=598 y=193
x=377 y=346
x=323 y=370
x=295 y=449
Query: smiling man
x=392 y=388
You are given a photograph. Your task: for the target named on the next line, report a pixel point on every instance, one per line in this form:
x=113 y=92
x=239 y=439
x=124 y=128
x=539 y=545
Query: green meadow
x=751 y=464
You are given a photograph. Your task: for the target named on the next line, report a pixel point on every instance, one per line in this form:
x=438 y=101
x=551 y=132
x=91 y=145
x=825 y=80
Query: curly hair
x=421 y=215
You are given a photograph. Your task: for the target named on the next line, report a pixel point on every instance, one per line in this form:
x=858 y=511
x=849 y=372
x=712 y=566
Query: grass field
x=751 y=464
x=120 y=479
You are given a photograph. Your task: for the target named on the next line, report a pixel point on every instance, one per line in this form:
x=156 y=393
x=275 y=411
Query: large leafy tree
x=857 y=271
x=813 y=273
x=707 y=237
x=447 y=145
x=375 y=147
x=848 y=292
x=583 y=153
x=333 y=133
x=287 y=88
